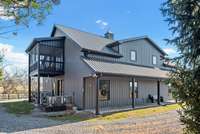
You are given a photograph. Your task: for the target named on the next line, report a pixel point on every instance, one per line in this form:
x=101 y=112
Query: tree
x=15 y=82
x=183 y=17
x=24 y=11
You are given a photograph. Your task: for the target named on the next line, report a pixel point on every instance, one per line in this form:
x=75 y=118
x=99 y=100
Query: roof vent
x=109 y=35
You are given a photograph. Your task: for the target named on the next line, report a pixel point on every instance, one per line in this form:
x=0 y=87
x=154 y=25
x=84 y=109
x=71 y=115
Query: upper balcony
x=46 y=56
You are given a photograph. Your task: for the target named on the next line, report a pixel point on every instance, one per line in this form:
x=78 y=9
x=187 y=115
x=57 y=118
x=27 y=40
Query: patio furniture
x=57 y=103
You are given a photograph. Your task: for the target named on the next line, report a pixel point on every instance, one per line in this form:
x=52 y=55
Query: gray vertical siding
x=144 y=52
x=120 y=92
x=75 y=70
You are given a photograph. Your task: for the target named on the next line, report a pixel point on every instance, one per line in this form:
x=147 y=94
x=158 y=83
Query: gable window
x=133 y=55
x=104 y=90
x=154 y=58
x=136 y=89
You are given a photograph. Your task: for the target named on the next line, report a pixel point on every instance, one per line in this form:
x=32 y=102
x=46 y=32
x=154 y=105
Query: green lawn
x=119 y=115
x=20 y=107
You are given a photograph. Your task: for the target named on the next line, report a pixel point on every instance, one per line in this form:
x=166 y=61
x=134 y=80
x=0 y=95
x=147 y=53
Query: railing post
x=133 y=92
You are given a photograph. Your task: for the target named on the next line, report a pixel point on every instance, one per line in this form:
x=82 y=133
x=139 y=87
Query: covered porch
x=46 y=71
x=120 y=86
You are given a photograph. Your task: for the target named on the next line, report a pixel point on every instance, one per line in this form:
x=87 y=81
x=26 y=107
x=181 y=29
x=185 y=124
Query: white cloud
x=102 y=24
x=170 y=50
x=14 y=58
x=2 y=14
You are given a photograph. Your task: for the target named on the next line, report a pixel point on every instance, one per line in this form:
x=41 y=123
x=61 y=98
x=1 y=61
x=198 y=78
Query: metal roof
x=125 y=69
x=84 y=39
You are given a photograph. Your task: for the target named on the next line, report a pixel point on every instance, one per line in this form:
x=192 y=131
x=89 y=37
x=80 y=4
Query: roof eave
x=89 y=51
x=37 y=40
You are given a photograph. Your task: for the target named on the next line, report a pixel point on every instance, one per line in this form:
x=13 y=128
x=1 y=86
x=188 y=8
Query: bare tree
x=14 y=82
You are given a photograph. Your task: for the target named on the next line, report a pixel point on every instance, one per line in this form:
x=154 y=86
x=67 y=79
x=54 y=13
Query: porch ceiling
x=125 y=69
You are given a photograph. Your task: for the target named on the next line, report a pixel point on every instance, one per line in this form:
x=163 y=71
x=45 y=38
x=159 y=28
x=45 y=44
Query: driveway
x=165 y=123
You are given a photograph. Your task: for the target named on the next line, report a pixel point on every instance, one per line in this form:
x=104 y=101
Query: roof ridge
x=134 y=38
x=94 y=34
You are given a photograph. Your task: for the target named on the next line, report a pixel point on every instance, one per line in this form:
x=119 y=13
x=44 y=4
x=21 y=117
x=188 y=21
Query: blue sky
x=127 y=18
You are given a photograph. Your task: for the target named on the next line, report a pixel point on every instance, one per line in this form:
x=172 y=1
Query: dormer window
x=133 y=55
x=154 y=58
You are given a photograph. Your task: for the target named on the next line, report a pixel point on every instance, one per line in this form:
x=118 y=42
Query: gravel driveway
x=165 y=123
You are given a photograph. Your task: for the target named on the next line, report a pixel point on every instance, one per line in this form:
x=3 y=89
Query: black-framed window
x=104 y=90
x=133 y=55
x=154 y=60
x=136 y=89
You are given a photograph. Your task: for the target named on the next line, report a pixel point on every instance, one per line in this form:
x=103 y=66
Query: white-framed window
x=154 y=58
x=133 y=55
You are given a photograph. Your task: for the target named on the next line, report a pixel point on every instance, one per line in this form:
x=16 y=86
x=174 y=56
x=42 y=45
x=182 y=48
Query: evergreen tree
x=183 y=17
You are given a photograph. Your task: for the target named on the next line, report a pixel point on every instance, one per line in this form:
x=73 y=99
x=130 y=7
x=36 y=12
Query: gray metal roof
x=85 y=39
x=125 y=69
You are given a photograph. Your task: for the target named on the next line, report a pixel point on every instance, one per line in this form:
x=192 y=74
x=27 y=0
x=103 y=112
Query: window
x=136 y=89
x=154 y=60
x=104 y=90
x=133 y=55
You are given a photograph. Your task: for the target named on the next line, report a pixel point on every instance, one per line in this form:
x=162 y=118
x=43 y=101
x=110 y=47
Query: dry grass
x=118 y=115
x=137 y=113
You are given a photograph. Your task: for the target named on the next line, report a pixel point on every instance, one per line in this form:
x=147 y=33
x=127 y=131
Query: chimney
x=109 y=35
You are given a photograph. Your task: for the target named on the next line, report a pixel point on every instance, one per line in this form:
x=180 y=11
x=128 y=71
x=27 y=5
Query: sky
x=125 y=18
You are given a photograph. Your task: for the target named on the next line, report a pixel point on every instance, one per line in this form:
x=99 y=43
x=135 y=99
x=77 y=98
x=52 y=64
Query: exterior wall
x=75 y=70
x=120 y=91
x=144 y=52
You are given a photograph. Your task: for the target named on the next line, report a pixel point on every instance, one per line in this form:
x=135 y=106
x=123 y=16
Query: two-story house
x=98 y=71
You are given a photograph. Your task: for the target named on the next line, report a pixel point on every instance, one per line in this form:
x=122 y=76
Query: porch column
x=158 y=92
x=97 y=95
x=29 y=80
x=84 y=88
x=133 y=92
x=38 y=77
x=38 y=99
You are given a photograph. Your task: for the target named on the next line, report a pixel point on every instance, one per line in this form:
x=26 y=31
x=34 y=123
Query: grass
x=20 y=107
x=119 y=115
x=138 y=113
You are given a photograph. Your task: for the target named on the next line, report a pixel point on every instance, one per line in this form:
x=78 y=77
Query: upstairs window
x=133 y=55
x=154 y=60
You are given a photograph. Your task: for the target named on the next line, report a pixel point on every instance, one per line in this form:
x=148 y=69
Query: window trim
x=135 y=55
x=108 y=98
x=152 y=59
